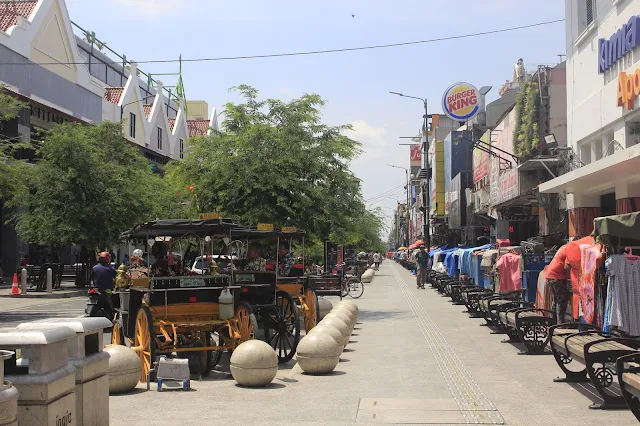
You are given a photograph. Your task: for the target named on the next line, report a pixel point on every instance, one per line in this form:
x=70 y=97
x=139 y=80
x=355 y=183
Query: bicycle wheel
x=344 y=289
x=356 y=288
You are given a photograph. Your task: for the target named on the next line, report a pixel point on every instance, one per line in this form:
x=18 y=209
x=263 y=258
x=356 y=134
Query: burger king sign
x=460 y=101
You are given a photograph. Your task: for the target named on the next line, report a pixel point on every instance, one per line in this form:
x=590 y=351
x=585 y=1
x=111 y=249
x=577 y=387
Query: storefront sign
x=266 y=227
x=289 y=229
x=628 y=88
x=481 y=160
x=209 y=216
x=619 y=45
x=416 y=155
x=460 y=101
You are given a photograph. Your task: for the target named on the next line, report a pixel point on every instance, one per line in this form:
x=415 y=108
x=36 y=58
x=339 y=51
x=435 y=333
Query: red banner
x=415 y=155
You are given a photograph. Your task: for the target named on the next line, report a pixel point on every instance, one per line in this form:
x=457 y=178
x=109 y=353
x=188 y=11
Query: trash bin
x=91 y=364
x=42 y=375
x=8 y=395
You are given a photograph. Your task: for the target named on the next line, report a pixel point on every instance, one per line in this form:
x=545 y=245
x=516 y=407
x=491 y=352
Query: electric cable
x=316 y=52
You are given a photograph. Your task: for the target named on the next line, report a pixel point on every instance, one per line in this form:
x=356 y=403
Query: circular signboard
x=460 y=101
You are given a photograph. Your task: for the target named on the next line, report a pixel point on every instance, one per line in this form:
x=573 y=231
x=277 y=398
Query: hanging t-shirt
x=510 y=275
x=625 y=309
x=590 y=259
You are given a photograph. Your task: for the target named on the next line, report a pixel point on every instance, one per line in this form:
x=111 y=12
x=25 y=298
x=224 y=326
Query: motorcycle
x=98 y=305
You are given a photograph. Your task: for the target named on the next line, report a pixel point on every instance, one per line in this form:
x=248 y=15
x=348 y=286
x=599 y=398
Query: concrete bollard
x=49 y=280
x=43 y=376
x=318 y=353
x=23 y=281
x=8 y=395
x=91 y=364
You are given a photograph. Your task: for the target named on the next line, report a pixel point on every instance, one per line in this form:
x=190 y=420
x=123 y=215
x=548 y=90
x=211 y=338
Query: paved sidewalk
x=414 y=359
x=67 y=289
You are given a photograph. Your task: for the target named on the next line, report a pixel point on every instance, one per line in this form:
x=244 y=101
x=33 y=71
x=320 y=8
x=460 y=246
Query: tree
x=275 y=162
x=88 y=186
x=9 y=168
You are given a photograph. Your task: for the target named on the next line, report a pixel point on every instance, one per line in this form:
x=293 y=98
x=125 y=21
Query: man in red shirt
x=558 y=278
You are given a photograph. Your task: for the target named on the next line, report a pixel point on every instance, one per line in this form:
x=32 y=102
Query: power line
x=387 y=192
x=316 y=52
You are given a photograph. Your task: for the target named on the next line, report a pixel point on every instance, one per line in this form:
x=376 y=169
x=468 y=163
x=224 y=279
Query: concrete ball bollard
x=324 y=306
x=124 y=369
x=349 y=305
x=330 y=331
x=367 y=276
x=342 y=316
x=342 y=327
x=318 y=353
x=254 y=363
x=346 y=312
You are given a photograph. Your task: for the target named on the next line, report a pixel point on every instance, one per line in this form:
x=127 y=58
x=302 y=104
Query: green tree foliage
x=10 y=169
x=276 y=163
x=88 y=186
x=526 y=137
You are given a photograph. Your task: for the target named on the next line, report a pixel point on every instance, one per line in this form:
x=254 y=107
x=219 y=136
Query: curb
x=54 y=295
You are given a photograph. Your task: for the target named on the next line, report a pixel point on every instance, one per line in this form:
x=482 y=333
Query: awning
x=600 y=176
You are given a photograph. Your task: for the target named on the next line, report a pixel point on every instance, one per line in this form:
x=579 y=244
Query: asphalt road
x=12 y=314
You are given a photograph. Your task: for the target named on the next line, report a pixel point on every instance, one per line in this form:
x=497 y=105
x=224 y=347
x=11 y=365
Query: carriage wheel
x=144 y=342
x=311 y=316
x=246 y=321
x=117 y=337
x=212 y=357
x=284 y=323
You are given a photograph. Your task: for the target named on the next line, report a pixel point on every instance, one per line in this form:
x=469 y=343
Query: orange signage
x=628 y=88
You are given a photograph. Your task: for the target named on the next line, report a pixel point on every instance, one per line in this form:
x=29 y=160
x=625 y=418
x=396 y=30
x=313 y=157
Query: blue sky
x=354 y=84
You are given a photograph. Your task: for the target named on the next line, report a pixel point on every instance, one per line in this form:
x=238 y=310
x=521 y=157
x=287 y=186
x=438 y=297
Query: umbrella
x=416 y=244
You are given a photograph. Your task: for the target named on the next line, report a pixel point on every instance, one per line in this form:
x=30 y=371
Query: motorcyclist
x=103 y=277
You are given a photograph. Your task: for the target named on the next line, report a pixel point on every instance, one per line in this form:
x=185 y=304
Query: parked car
x=201 y=263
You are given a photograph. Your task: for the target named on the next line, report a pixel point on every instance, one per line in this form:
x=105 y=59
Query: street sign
x=289 y=229
x=209 y=216
x=265 y=227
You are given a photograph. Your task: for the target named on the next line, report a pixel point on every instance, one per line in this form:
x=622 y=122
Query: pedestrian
x=376 y=260
x=557 y=277
x=422 y=262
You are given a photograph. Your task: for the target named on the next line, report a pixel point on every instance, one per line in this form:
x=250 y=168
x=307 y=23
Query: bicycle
x=351 y=285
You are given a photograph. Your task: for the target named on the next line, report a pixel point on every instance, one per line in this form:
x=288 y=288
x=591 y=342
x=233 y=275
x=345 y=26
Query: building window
x=159 y=138
x=132 y=125
x=181 y=148
x=590 y=10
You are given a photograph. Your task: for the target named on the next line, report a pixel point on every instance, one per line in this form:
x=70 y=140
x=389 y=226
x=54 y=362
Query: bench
x=528 y=325
x=489 y=306
x=628 y=368
x=471 y=298
x=326 y=285
x=597 y=352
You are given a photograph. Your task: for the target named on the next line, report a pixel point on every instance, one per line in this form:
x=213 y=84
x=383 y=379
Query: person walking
x=376 y=260
x=422 y=261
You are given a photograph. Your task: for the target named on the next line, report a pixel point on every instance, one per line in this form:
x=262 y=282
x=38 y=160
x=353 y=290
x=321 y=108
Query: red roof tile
x=172 y=123
x=113 y=94
x=198 y=127
x=147 y=110
x=10 y=10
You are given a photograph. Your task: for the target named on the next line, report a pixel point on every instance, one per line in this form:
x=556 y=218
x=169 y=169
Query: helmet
x=137 y=253
x=104 y=257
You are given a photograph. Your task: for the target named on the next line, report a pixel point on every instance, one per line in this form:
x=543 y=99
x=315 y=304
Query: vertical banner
x=340 y=258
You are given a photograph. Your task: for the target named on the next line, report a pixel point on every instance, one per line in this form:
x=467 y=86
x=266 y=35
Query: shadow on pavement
x=268 y=387
x=589 y=391
x=333 y=373
x=378 y=315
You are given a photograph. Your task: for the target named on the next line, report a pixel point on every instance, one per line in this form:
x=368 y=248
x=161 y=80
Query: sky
x=355 y=85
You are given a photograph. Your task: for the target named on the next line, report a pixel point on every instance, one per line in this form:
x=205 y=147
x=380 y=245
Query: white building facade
x=603 y=111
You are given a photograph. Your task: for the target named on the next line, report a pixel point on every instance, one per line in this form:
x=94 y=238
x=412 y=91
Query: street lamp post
x=406 y=171
x=425 y=150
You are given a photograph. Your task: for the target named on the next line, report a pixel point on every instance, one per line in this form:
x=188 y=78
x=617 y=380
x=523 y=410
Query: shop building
x=64 y=73
x=603 y=112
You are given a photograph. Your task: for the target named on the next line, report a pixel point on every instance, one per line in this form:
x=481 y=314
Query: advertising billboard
x=481 y=160
x=460 y=101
